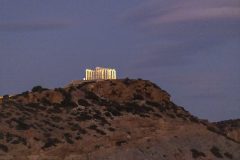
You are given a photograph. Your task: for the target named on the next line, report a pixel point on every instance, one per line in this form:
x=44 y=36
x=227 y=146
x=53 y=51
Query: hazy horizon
x=189 y=48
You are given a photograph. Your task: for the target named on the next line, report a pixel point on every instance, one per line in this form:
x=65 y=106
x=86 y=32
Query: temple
x=100 y=73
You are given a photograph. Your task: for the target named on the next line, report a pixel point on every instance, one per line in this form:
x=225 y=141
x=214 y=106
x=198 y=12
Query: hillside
x=113 y=119
x=231 y=128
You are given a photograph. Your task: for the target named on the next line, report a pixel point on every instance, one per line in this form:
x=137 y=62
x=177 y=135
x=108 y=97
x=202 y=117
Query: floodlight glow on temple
x=100 y=73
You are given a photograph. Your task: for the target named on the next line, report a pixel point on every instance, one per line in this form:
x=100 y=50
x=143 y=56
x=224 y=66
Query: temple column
x=105 y=74
x=114 y=74
x=109 y=74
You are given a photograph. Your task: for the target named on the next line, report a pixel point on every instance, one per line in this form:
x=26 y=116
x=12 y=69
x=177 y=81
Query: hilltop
x=111 y=119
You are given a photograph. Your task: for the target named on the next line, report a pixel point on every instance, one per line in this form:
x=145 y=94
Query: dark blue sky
x=190 y=48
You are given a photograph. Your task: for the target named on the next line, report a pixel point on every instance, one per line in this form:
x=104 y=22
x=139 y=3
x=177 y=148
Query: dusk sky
x=190 y=48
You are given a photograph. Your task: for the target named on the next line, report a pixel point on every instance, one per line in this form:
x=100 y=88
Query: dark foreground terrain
x=108 y=120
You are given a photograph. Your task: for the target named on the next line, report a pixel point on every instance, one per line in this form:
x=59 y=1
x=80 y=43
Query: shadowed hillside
x=112 y=119
x=231 y=128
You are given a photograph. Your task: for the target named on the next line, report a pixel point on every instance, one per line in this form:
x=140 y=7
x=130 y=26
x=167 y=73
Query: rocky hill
x=107 y=120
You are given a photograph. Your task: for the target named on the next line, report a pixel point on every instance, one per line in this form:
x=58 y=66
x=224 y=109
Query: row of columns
x=100 y=73
x=90 y=75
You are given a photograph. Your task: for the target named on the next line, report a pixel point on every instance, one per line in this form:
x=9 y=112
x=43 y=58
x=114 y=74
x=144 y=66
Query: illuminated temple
x=100 y=73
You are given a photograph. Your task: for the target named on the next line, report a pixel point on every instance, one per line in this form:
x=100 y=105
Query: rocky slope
x=231 y=128
x=113 y=119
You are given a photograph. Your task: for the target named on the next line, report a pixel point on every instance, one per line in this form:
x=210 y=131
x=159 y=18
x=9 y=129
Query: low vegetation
x=121 y=142
x=72 y=115
x=197 y=154
x=3 y=148
x=50 y=142
x=38 y=89
x=216 y=152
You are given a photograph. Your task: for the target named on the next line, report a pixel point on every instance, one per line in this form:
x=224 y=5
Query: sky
x=190 y=48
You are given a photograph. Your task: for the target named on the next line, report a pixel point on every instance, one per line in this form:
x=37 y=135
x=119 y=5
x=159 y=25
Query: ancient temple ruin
x=100 y=73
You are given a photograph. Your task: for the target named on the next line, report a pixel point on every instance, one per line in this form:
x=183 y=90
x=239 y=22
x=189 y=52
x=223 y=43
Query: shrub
x=68 y=137
x=1 y=135
x=114 y=92
x=38 y=89
x=83 y=117
x=171 y=115
x=160 y=107
x=36 y=139
x=78 y=137
x=228 y=155
x=213 y=129
x=75 y=127
x=100 y=132
x=14 y=139
x=108 y=114
x=3 y=148
x=100 y=118
x=67 y=100
x=56 y=119
x=112 y=83
x=97 y=146
x=54 y=109
x=25 y=94
x=113 y=111
x=138 y=97
x=94 y=127
x=127 y=81
x=157 y=115
x=196 y=153
x=81 y=131
x=6 y=96
x=111 y=129
x=119 y=143
x=91 y=95
x=5 y=99
x=193 y=119
x=50 y=142
x=134 y=108
x=21 y=125
x=83 y=102
x=45 y=101
x=215 y=151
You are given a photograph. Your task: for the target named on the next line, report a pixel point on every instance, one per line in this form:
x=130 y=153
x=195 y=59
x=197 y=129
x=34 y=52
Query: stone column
x=109 y=74
x=114 y=74
x=102 y=74
x=86 y=74
x=94 y=75
x=104 y=70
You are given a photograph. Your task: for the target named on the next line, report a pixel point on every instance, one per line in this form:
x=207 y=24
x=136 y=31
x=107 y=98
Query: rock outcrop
x=231 y=128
